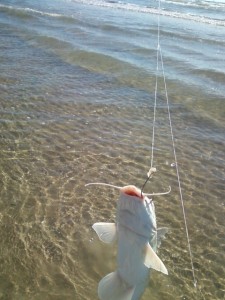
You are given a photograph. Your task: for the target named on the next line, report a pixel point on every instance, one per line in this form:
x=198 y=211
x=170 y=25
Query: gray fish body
x=136 y=223
x=136 y=232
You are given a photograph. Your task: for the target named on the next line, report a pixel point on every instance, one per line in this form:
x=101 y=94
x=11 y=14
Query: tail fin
x=112 y=287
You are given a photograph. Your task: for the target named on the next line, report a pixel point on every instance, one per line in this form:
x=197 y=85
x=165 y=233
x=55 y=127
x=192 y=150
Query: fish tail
x=112 y=287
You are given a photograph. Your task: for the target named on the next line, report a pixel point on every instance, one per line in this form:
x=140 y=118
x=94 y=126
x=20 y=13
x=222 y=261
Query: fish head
x=136 y=211
x=130 y=193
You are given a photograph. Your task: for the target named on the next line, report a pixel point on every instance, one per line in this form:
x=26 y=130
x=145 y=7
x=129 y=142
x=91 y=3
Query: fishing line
x=178 y=174
x=158 y=60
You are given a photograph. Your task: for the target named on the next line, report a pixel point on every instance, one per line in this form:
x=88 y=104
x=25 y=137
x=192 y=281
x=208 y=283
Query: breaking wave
x=29 y=12
x=150 y=10
x=25 y=11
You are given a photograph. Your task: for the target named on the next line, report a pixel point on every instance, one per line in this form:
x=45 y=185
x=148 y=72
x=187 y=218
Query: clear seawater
x=77 y=81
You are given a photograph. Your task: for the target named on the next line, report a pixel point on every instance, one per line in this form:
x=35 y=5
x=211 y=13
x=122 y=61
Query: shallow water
x=77 y=96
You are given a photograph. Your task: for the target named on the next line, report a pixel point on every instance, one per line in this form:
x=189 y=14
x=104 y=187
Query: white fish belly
x=130 y=258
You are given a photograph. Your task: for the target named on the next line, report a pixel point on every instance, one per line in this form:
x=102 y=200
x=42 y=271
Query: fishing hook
x=149 y=175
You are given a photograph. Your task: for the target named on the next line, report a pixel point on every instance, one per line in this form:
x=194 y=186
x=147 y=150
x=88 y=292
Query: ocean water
x=77 y=87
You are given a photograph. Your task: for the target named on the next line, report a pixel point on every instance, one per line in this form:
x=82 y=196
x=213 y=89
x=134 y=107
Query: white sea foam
x=43 y=13
x=149 y=10
x=134 y=8
x=27 y=9
x=201 y=4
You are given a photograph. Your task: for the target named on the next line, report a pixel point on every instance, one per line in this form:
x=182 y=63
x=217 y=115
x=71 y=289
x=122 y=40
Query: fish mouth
x=133 y=191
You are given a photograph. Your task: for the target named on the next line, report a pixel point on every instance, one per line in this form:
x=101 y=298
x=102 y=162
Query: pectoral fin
x=105 y=231
x=153 y=261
